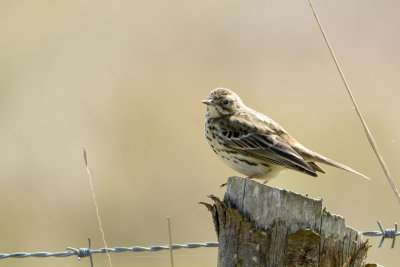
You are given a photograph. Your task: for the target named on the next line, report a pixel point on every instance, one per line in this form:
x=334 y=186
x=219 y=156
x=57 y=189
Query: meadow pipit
x=253 y=144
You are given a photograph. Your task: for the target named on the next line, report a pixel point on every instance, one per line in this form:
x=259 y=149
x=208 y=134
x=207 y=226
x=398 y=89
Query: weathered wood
x=259 y=225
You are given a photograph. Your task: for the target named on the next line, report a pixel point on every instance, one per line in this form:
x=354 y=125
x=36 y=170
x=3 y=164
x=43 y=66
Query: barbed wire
x=385 y=233
x=85 y=252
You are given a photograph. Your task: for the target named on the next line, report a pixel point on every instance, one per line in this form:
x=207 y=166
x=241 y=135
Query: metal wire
x=85 y=252
x=385 y=233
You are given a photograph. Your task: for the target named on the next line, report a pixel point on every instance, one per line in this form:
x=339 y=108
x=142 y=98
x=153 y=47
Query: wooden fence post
x=259 y=225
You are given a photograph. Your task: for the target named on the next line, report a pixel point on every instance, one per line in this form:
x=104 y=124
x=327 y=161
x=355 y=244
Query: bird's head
x=222 y=102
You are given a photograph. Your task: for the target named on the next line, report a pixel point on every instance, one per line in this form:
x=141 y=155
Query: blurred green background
x=125 y=78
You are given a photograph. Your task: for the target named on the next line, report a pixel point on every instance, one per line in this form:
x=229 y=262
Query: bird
x=255 y=145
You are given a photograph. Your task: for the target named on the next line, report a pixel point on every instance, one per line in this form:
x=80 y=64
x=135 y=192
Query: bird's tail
x=319 y=158
x=315 y=157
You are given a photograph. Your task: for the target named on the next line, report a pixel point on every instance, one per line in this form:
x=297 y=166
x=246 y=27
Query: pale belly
x=244 y=165
x=240 y=163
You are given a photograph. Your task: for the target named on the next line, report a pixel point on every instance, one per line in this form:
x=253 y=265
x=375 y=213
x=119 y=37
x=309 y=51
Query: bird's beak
x=207 y=102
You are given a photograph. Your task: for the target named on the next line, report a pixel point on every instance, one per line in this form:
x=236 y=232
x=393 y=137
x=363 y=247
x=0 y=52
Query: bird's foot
x=248 y=177
x=252 y=176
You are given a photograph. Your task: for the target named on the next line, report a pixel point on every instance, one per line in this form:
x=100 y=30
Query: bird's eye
x=226 y=102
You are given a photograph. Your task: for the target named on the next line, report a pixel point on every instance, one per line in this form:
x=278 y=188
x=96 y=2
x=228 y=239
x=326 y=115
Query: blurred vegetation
x=125 y=78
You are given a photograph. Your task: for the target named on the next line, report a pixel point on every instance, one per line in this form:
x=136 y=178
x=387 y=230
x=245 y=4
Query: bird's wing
x=264 y=145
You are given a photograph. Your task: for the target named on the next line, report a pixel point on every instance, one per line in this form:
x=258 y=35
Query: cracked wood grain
x=259 y=225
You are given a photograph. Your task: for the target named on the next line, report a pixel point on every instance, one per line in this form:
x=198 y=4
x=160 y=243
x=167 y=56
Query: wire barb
x=84 y=252
x=90 y=252
x=81 y=252
x=385 y=233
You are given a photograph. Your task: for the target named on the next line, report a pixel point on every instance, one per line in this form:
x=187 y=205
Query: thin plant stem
x=364 y=124
x=171 y=255
x=95 y=204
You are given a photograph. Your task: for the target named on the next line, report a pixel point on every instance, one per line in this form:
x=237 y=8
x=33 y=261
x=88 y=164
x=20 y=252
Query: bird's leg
x=252 y=176
x=256 y=176
x=249 y=177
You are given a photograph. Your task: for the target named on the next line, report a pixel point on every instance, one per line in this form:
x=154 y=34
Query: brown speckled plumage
x=252 y=143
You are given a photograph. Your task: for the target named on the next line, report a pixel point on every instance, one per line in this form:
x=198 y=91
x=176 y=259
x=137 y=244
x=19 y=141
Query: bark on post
x=259 y=225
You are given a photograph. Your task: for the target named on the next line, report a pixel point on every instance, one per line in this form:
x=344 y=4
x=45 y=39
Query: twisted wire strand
x=85 y=252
